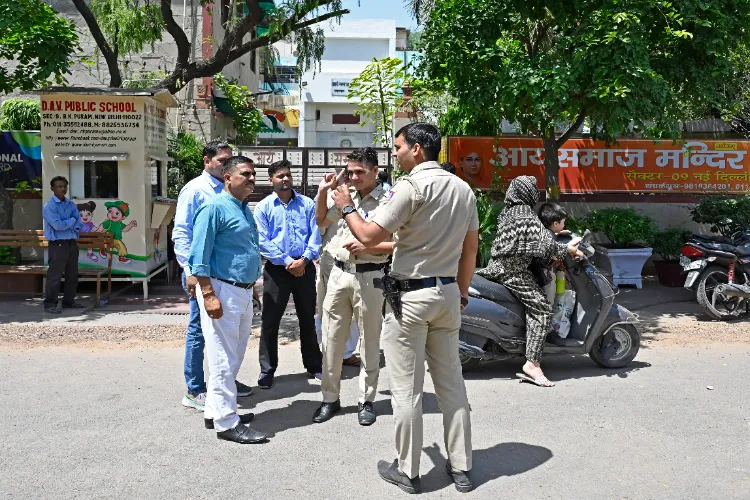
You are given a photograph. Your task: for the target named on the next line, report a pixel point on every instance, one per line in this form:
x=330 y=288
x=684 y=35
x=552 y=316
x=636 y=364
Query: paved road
x=84 y=423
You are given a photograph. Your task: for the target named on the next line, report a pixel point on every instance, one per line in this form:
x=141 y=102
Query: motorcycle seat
x=497 y=293
x=725 y=247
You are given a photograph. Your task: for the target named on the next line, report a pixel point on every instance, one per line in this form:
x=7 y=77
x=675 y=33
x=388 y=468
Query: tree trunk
x=551 y=168
x=6 y=209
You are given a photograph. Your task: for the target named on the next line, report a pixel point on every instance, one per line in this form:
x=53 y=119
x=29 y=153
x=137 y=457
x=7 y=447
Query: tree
x=623 y=67
x=247 y=27
x=20 y=114
x=378 y=89
x=35 y=45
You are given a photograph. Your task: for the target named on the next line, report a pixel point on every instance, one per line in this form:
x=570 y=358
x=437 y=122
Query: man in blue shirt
x=193 y=195
x=290 y=242
x=62 y=223
x=225 y=261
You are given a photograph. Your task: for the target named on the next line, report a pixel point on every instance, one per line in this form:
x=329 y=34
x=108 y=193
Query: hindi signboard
x=629 y=166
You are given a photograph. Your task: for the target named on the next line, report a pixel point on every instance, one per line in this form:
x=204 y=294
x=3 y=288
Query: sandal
x=541 y=381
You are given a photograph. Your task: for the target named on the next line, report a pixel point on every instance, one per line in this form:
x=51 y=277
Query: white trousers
x=226 y=343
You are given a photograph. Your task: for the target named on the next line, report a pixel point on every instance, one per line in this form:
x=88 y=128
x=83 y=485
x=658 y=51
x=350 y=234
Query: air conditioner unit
x=263 y=97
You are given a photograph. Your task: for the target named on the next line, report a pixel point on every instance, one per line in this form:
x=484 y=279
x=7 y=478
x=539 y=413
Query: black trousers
x=63 y=259
x=278 y=284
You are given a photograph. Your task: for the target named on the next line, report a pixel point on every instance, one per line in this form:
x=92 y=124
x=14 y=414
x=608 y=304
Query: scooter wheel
x=617 y=348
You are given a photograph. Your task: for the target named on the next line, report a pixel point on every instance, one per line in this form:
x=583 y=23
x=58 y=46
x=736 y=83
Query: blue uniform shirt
x=225 y=241
x=61 y=220
x=287 y=232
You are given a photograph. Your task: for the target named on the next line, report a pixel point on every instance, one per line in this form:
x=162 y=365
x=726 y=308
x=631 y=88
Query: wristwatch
x=347 y=210
x=464 y=301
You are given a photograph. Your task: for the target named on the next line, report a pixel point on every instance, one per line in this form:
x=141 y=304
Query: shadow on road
x=503 y=459
x=555 y=368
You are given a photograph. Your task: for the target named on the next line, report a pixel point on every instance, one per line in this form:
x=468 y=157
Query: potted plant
x=668 y=244
x=630 y=234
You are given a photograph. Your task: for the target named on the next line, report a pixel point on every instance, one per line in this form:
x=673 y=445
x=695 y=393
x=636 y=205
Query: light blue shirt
x=287 y=232
x=226 y=241
x=61 y=220
x=193 y=195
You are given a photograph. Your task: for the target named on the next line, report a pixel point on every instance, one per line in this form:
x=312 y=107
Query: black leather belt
x=357 y=268
x=236 y=283
x=418 y=284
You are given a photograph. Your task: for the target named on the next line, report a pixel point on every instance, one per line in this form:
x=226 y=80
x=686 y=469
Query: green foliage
x=668 y=243
x=247 y=118
x=29 y=187
x=35 y=45
x=623 y=66
x=623 y=226
x=187 y=152
x=488 y=209
x=7 y=256
x=20 y=114
x=378 y=90
x=727 y=215
x=144 y=80
x=129 y=25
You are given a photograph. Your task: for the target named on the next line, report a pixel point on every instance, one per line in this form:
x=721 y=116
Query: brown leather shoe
x=352 y=360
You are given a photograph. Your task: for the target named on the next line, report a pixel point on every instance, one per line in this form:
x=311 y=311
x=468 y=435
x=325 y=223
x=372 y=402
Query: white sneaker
x=198 y=402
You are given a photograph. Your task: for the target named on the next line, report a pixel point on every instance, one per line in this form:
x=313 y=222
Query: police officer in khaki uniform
x=325 y=265
x=434 y=217
x=351 y=289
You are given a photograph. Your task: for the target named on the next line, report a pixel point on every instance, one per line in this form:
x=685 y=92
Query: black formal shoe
x=244 y=419
x=74 y=305
x=390 y=473
x=325 y=411
x=242 y=434
x=460 y=478
x=366 y=414
x=265 y=381
x=52 y=310
x=243 y=390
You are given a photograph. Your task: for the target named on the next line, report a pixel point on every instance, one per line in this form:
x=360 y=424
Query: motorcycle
x=493 y=323
x=717 y=270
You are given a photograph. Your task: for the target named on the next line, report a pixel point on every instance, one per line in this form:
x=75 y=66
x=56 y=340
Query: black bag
x=540 y=271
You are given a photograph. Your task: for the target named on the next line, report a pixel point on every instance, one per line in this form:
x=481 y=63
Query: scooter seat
x=497 y=293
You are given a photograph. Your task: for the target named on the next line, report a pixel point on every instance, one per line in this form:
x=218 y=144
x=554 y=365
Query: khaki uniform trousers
x=427 y=331
x=352 y=294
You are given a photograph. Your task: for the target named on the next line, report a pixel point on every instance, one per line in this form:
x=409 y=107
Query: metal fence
x=309 y=166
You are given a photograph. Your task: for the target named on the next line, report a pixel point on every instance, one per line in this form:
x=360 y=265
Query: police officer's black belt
x=411 y=285
x=359 y=268
x=236 y=283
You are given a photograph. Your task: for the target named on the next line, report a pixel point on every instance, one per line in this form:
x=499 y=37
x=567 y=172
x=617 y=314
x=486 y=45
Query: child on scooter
x=553 y=218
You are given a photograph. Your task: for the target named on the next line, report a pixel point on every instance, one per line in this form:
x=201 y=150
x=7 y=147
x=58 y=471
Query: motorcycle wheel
x=617 y=348
x=468 y=363
x=720 y=309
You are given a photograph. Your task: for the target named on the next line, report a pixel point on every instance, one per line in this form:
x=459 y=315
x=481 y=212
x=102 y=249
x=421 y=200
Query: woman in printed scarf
x=521 y=237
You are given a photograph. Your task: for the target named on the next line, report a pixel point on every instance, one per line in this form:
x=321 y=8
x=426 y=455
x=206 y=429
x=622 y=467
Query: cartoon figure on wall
x=86 y=211
x=117 y=211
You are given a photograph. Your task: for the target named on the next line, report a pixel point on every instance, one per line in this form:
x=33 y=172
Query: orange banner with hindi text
x=629 y=166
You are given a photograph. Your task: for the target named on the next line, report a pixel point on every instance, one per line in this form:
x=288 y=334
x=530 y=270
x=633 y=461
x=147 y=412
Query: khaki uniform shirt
x=430 y=213
x=367 y=208
x=326 y=233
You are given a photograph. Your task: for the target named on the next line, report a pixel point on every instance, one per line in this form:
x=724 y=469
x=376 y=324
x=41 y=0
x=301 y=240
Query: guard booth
x=111 y=145
x=309 y=166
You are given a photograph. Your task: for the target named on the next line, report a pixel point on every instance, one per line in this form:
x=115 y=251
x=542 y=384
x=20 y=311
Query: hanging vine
x=247 y=118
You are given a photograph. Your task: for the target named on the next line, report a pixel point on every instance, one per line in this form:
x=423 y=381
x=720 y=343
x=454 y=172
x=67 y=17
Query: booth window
x=156 y=179
x=100 y=179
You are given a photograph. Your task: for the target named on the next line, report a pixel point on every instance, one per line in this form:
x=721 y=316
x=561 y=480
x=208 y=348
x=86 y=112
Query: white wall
x=350 y=47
